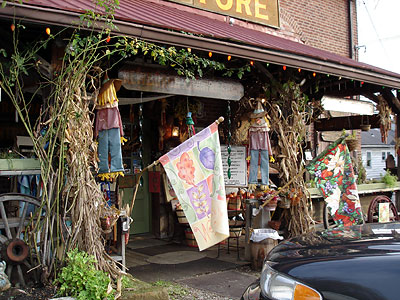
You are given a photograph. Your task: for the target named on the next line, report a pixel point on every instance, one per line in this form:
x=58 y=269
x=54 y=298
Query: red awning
x=154 y=20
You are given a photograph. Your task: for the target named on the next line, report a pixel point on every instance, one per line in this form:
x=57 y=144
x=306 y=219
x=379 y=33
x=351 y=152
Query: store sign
x=260 y=11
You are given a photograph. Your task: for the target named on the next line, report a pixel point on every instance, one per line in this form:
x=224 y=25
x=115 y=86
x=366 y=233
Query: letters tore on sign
x=260 y=11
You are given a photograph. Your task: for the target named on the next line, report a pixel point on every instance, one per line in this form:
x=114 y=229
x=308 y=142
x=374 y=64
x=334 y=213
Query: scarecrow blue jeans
x=110 y=141
x=254 y=167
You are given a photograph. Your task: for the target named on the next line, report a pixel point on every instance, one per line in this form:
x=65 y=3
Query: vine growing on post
x=62 y=135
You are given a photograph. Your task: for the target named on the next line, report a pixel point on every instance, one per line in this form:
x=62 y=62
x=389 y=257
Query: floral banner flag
x=194 y=169
x=335 y=178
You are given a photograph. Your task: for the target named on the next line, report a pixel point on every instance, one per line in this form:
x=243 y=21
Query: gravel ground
x=193 y=294
x=185 y=292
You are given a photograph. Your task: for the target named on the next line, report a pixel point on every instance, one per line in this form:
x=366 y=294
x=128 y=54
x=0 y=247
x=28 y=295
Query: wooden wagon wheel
x=15 y=217
x=373 y=209
x=327 y=218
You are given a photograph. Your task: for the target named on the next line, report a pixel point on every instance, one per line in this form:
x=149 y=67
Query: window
x=384 y=155
x=369 y=159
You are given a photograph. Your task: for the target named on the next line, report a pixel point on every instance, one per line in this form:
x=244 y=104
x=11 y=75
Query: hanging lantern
x=175 y=131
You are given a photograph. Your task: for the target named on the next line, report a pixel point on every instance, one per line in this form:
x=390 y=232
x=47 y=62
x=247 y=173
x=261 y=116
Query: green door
x=141 y=211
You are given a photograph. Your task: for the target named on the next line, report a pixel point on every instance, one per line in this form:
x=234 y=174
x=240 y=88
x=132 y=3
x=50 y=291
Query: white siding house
x=374 y=153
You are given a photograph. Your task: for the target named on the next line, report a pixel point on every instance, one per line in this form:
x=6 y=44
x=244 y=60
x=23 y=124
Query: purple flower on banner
x=200 y=199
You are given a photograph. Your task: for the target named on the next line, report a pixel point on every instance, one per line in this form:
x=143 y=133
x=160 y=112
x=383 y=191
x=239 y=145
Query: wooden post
x=397 y=193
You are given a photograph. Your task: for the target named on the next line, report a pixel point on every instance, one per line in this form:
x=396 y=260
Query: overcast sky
x=379 y=32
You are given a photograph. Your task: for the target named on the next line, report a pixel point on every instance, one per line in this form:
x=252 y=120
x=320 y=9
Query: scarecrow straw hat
x=107 y=82
x=259 y=112
x=108 y=92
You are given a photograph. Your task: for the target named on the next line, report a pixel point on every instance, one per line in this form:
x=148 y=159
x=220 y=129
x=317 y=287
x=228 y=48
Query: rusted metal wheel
x=373 y=209
x=15 y=251
x=16 y=211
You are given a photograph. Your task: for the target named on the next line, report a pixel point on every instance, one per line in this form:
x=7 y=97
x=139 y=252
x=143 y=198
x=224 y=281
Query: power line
x=373 y=26
x=377 y=3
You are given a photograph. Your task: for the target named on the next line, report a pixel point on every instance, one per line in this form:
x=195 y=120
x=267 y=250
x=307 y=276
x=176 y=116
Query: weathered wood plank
x=154 y=80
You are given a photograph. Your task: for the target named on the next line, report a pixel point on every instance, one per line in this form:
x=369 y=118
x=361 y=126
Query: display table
x=363 y=189
x=20 y=166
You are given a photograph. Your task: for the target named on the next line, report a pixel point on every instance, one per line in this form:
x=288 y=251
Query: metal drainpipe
x=351 y=44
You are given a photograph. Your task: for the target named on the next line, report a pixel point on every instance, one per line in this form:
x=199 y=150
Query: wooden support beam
x=348 y=123
x=350 y=91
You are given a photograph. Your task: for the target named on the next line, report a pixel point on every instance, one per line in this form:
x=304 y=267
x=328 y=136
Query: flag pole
x=154 y=163
x=279 y=190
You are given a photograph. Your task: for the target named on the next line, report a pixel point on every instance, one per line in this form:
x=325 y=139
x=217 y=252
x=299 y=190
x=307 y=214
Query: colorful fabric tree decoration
x=195 y=171
x=334 y=176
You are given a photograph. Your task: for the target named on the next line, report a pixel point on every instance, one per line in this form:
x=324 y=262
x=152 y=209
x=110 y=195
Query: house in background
x=374 y=152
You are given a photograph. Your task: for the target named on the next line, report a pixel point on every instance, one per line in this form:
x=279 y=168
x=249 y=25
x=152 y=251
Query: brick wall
x=321 y=24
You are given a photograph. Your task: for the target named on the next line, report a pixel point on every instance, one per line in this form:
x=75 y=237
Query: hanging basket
x=107 y=223
x=352 y=144
x=365 y=127
x=108 y=218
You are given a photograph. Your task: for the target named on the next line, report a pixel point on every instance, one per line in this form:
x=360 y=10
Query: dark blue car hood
x=358 y=262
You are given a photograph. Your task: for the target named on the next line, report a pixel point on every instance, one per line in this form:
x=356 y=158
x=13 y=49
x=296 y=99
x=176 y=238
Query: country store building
x=263 y=43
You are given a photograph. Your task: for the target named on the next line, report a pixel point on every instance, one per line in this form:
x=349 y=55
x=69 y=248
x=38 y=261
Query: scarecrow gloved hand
x=123 y=140
x=271 y=159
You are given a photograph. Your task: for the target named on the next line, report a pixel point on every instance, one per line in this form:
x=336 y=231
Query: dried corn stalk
x=289 y=115
x=83 y=198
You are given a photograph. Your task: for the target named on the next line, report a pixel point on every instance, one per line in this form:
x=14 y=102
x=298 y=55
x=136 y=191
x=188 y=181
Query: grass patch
x=175 y=290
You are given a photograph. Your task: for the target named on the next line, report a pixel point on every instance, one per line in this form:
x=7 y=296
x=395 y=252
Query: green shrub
x=80 y=279
x=389 y=179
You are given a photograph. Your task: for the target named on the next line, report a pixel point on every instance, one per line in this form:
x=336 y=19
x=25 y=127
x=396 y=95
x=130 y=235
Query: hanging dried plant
x=385 y=113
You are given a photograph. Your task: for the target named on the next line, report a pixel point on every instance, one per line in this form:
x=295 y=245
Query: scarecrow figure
x=108 y=130
x=259 y=145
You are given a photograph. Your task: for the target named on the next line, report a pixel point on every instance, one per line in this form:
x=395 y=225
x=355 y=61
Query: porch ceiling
x=154 y=21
